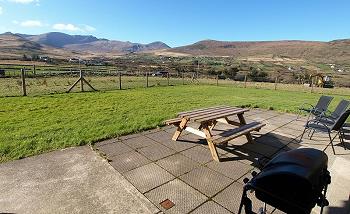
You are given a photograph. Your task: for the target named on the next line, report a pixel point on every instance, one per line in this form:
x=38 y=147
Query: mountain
x=91 y=44
x=15 y=46
x=117 y=47
x=311 y=50
x=59 y=40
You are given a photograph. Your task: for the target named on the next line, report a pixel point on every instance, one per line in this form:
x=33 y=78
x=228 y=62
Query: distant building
x=44 y=58
x=160 y=73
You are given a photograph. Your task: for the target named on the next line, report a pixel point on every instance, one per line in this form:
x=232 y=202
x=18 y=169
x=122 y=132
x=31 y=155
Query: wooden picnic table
x=207 y=118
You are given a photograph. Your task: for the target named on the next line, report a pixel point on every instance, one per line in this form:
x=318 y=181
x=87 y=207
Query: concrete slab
x=231 y=169
x=114 y=148
x=212 y=208
x=177 y=164
x=128 y=161
x=139 y=142
x=148 y=177
x=230 y=198
x=184 y=197
x=339 y=190
x=156 y=151
x=75 y=180
x=206 y=181
x=199 y=154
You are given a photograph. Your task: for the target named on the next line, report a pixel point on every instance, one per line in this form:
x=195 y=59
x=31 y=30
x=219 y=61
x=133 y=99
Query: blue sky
x=181 y=22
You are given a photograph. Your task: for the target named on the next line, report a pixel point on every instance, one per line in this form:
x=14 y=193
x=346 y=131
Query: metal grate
x=167 y=204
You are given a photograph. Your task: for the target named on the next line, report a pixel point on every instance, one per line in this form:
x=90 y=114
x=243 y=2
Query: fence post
x=34 y=70
x=276 y=80
x=24 y=90
x=217 y=80
x=183 y=78
x=312 y=84
x=146 y=79
x=81 y=82
x=120 y=80
x=168 y=78
x=245 y=80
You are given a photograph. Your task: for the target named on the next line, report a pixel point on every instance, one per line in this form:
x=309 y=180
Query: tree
x=257 y=75
x=25 y=57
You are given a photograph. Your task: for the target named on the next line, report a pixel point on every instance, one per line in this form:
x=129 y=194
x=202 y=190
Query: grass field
x=33 y=125
x=60 y=84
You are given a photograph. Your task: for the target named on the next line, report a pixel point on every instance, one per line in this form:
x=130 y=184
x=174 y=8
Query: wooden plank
x=185 y=113
x=173 y=121
x=210 y=112
x=221 y=115
x=180 y=128
x=237 y=132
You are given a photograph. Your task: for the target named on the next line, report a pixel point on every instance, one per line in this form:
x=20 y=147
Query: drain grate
x=167 y=204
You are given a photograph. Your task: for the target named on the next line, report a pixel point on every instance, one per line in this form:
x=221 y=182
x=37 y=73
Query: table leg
x=179 y=129
x=212 y=125
x=243 y=122
x=211 y=145
x=231 y=122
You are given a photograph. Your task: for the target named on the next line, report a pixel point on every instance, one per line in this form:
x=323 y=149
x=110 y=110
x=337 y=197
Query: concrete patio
x=184 y=172
x=147 y=170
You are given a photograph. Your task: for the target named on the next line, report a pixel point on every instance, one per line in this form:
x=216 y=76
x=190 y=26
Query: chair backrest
x=341 y=108
x=341 y=120
x=323 y=103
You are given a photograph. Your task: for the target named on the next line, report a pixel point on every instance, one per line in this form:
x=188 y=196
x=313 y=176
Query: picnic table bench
x=207 y=118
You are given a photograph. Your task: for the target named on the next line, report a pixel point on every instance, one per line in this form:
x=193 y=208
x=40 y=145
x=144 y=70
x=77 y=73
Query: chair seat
x=317 y=127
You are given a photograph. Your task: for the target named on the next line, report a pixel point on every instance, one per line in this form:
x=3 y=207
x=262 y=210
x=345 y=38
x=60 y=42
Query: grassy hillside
x=33 y=125
x=335 y=51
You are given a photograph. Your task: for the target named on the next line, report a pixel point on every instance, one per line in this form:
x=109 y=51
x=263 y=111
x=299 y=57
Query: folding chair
x=318 y=109
x=317 y=125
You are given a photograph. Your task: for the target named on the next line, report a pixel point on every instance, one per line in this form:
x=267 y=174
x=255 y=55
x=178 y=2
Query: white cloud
x=72 y=27
x=66 y=27
x=30 y=23
x=24 y=1
x=0 y=10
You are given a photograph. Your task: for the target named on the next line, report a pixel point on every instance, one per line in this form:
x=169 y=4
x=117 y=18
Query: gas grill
x=293 y=182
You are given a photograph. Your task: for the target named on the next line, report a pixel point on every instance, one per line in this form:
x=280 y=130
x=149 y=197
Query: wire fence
x=32 y=81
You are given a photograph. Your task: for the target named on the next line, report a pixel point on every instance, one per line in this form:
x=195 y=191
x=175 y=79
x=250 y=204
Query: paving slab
x=74 y=180
x=128 y=161
x=177 y=164
x=114 y=148
x=206 y=180
x=102 y=143
x=199 y=154
x=274 y=139
x=260 y=148
x=230 y=169
x=230 y=198
x=139 y=142
x=184 y=197
x=125 y=137
x=159 y=136
x=156 y=151
x=212 y=208
x=148 y=177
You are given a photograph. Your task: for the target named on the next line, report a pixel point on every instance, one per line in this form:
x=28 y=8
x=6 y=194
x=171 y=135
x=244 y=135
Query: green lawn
x=33 y=125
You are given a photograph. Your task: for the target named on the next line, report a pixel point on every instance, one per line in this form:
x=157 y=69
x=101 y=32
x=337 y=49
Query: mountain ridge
x=89 y=43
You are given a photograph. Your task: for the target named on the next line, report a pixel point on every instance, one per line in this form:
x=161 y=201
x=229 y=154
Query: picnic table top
x=212 y=113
